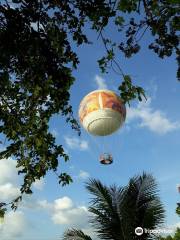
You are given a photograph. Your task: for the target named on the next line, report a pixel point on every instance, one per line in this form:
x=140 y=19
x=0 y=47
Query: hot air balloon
x=101 y=113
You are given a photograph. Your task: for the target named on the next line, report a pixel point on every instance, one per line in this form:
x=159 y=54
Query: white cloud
x=14 y=225
x=64 y=212
x=9 y=187
x=100 y=82
x=63 y=203
x=44 y=204
x=155 y=120
x=8 y=180
x=39 y=184
x=152 y=87
x=8 y=171
x=83 y=174
x=8 y=192
x=76 y=143
x=74 y=217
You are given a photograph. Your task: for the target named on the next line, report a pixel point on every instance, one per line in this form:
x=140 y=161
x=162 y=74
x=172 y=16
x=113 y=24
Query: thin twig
x=120 y=69
x=113 y=60
x=142 y=34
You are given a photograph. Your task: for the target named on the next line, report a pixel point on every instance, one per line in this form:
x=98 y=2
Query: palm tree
x=75 y=234
x=117 y=211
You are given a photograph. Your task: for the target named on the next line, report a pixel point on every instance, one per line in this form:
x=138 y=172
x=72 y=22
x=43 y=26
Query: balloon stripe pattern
x=102 y=112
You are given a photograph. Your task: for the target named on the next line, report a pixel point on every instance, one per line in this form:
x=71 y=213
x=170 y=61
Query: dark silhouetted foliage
x=117 y=211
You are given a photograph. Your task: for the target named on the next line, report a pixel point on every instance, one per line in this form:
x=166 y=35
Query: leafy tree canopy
x=37 y=63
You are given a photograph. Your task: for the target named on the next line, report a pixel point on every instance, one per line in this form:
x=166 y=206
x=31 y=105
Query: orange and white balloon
x=102 y=112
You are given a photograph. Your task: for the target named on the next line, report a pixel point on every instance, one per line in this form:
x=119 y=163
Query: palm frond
x=99 y=191
x=106 y=218
x=118 y=211
x=142 y=204
x=75 y=234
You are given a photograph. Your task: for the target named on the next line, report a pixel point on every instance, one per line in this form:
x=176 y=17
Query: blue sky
x=148 y=141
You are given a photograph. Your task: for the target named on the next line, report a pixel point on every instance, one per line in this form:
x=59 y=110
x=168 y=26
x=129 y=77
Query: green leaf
x=119 y=20
x=65 y=179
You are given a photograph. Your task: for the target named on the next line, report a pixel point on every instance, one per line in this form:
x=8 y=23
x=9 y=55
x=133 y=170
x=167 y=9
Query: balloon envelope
x=102 y=112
